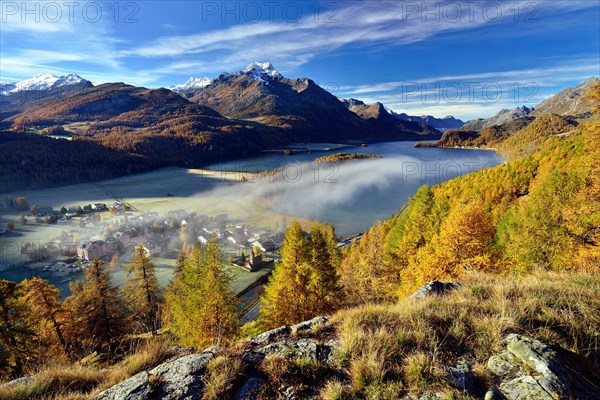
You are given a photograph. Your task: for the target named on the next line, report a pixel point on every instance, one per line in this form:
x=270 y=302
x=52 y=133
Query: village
x=111 y=232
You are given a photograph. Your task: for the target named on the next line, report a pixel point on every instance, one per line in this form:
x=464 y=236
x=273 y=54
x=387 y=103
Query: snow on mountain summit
x=42 y=82
x=192 y=83
x=258 y=71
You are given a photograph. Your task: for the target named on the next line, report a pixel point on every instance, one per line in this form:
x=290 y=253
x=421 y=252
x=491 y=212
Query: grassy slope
x=388 y=350
x=404 y=345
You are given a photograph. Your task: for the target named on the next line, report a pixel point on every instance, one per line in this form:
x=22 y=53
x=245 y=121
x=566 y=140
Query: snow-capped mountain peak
x=259 y=71
x=42 y=82
x=192 y=83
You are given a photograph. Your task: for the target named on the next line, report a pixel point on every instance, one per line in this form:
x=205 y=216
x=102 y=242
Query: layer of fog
x=317 y=190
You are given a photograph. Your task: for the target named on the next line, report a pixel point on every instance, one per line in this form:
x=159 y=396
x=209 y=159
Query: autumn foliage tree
x=98 y=309
x=367 y=274
x=201 y=307
x=305 y=283
x=17 y=331
x=54 y=318
x=465 y=242
x=323 y=260
x=142 y=293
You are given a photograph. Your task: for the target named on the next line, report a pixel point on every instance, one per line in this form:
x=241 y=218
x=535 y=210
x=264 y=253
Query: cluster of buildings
x=161 y=236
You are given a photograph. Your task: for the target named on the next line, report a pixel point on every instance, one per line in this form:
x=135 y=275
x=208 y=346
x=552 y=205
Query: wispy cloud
x=357 y=24
x=101 y=52
x=549 y=75
x=476 y=94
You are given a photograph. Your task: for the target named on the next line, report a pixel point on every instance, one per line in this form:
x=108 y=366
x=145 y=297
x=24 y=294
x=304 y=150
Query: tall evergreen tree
x=98 y=309
x=142 y=293
x=201 y=306
x=284 y=297
x=17 y=332
x=53 y=316
x=305 y=283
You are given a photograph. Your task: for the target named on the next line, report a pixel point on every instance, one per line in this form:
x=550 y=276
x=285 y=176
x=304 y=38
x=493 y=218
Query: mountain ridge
x=441 y=124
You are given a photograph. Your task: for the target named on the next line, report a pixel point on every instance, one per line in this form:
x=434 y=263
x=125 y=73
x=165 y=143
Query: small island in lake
x=345 y=156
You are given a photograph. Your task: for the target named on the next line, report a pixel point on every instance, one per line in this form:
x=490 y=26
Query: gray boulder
x=24 y=380
x=434 y=288
x=308 y=325
x=269 y=336
x=330 y=351
x=174 y=380
x=248 y=390
x=461 y=377
x=292 y=348
x=531 y=369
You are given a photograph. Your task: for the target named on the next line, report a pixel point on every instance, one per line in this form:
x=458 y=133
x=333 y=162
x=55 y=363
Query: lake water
x=354 y=194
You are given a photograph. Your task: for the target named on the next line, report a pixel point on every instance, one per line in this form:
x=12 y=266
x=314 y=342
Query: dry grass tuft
x=422 y=335
x=67 y=382
x=336 y=390
x=222 y=373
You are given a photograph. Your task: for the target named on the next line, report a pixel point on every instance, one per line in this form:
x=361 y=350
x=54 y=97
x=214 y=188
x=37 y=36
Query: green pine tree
x=284 y=298
x=201 y=307
x=142 y=293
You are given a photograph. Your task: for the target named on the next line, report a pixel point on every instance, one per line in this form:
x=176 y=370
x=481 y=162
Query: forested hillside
x=540 y=211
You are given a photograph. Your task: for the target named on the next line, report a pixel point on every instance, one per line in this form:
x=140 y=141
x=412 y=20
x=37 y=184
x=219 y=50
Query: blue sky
x=468 y=59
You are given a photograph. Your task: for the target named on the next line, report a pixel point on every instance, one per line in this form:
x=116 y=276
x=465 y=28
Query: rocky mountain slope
x=440 y=124
x=502 y=117
x=570 y=101
x=260 y=93
x=380 y=116
x=113 y=103
x=191 y=84
x=523 y=127
x=16 y=97
x=43 y=82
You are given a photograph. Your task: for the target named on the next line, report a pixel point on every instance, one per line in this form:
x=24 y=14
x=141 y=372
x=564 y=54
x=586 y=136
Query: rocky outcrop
x=434 y=288
x=177 y=379
x=461 y=377
x=531 y=369
x=182 y=378
x=527 y=368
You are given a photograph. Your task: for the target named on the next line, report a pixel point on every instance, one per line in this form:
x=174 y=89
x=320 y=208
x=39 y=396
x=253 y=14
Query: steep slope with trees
x=519 y=216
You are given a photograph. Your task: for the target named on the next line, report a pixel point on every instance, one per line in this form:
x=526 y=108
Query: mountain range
x=124 y=128
x=502 y=117
x=44 y=82
x=524 y=128
x=261 y=94
x=441 y=124
x=258 y=93
x=570 y=101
